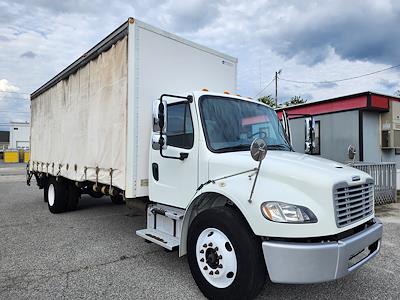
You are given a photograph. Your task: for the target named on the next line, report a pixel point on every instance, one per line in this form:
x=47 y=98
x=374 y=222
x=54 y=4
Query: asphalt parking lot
x=94 y=253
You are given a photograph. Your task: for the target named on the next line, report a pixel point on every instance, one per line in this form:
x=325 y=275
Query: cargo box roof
x=106 y=44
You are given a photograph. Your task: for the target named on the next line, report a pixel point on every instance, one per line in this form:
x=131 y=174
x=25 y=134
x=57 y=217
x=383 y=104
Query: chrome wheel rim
x=51 y=195
x=216 y=258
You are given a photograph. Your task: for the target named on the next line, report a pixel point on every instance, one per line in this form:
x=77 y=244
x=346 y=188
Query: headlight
x=287 y=213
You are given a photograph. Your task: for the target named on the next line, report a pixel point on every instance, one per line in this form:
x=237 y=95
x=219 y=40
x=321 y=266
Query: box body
x=98 y=111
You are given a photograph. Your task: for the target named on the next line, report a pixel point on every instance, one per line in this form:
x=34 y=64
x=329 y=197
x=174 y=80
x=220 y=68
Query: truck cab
x=296 y=217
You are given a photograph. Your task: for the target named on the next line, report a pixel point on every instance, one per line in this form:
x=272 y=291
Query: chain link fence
x=384 y=175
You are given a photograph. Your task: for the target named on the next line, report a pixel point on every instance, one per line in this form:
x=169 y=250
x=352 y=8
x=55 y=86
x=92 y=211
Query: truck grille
x=353 y=203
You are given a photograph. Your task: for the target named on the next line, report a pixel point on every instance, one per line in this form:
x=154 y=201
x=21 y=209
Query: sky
x=310 y=40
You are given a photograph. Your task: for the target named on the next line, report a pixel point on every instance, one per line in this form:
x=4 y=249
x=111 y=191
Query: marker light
x=205 y=90
x=226 y=92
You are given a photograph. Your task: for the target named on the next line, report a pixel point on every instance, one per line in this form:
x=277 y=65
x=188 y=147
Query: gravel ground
x=94 y=253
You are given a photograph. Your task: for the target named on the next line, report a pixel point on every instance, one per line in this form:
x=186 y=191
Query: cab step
x=160 y=238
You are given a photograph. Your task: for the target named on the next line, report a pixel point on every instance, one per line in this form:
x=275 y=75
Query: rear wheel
x=57 y=195
x=45 y=189
x=224 y=255
x=74 y=193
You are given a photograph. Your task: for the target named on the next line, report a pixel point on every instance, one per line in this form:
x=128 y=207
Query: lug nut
x=220 y=257
x=210 y=244
x=205 y=245
x=216 y=272
x=202 y=251
x=205 y=268
x=216 y=248
x=220 y=266
x=211 y=273
x=202 y=260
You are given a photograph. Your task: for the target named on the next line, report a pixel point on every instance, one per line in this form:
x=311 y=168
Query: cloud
x=28 y=54
x=325 y=85
x=389 y=85
x=309 y=40
x=5 y=86
x=13 y=105
x=360 y=30
x=184 y=16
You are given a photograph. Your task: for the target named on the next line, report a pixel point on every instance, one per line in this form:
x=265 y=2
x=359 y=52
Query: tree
x=397 y=93
x=267 y=100
x=294 y=100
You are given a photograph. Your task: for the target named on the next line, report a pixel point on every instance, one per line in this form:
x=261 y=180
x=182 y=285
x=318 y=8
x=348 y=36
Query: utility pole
x=276 y=87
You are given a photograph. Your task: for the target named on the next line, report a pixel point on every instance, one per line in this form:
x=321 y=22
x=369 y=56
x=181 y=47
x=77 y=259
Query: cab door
x=173 y=181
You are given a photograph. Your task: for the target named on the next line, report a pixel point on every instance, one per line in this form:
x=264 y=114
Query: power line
x=268 y=84
x=339 y=80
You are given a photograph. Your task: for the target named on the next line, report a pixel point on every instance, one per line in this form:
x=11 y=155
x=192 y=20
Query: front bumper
x=289 y=262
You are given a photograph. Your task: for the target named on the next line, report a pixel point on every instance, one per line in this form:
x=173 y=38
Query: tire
x=57 y=195
x=119 y=199
x=74 y=194
x=45 y=190
x=232 y=266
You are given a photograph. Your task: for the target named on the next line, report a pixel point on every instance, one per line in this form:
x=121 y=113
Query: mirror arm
x=254 y=183
x=189 y=98
x=182 y=155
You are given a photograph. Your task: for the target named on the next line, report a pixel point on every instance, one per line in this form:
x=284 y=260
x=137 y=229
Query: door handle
x=154 y=168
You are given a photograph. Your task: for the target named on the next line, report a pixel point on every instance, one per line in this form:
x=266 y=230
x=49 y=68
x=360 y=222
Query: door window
x=179 y=126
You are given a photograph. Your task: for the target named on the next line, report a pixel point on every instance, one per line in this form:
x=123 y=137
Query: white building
x=19 y=135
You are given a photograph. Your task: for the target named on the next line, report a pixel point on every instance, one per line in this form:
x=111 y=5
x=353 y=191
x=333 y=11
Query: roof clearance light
x=238 y=95
x=226 y=92
x=205 y=90
x=249 y=98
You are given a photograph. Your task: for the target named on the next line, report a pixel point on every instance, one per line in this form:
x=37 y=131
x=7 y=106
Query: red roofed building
x=369 y=121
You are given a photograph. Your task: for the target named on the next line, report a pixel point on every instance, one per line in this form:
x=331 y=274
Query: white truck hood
x=301 y=167
x=289 y=177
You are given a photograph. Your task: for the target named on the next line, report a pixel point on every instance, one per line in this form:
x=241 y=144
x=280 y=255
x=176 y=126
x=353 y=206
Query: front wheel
x=224 y=255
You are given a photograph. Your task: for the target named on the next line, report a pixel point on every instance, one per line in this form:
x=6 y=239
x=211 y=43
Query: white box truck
x=129 y=119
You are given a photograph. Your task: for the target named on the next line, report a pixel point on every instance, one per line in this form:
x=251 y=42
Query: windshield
x=232 y=124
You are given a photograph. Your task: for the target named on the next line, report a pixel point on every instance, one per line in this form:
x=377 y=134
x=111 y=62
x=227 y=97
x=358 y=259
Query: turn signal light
x=226 y=92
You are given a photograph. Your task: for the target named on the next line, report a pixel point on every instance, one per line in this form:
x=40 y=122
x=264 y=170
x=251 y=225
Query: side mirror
x=160 y=116
x=159 y=136
x=155 y=141
x=258 y=149
x=351 y=152
x=309 y=135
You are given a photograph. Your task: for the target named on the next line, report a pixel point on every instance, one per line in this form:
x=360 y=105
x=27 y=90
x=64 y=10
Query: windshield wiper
x=236 y=147
x=278 y=147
